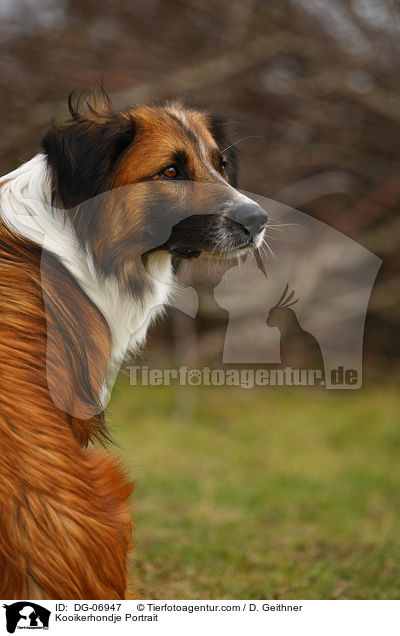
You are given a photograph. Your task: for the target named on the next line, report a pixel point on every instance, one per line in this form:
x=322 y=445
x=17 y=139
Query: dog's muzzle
x=251 y=216
x=207 y=219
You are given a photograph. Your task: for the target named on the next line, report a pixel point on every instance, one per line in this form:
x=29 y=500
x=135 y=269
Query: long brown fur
x=65 y=526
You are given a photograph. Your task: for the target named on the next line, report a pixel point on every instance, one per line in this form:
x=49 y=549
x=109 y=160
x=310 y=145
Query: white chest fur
x=25 y=206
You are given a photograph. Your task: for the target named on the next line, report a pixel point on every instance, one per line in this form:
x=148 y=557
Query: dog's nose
x=251 y=215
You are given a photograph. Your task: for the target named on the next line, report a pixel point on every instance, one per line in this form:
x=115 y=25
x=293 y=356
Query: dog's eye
x=223 y=168
x=171 y=172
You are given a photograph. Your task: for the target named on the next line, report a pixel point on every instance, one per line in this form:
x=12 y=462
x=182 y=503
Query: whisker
x=281 y=224
x=239 y=140
x=270 y=250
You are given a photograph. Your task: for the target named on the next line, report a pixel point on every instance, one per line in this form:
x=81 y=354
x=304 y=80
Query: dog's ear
x=83 y=153
x=220 y=129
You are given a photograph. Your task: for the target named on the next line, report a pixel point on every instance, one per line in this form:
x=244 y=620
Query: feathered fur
x=79 y=284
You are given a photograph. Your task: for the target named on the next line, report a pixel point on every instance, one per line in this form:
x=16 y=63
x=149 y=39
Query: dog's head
x=170 y=175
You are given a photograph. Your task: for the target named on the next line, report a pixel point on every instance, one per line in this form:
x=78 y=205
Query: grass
x=262 y=494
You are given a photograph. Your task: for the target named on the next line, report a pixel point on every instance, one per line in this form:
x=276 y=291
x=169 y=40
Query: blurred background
x=243 y=494
x=313 y=85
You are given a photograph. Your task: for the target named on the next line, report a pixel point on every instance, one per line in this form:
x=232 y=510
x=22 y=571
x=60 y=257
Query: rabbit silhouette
x=299 y=349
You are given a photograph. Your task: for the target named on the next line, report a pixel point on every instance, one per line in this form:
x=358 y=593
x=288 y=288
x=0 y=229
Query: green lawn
x=262 y=493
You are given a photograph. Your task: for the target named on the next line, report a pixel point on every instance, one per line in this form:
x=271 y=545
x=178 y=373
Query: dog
x=92 y=232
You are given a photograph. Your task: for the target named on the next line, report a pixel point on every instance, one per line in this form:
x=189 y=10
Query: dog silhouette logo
x=26 y=615
x=299 y=349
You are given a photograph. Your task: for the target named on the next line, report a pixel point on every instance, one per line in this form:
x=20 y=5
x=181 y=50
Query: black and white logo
x=26 y=615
